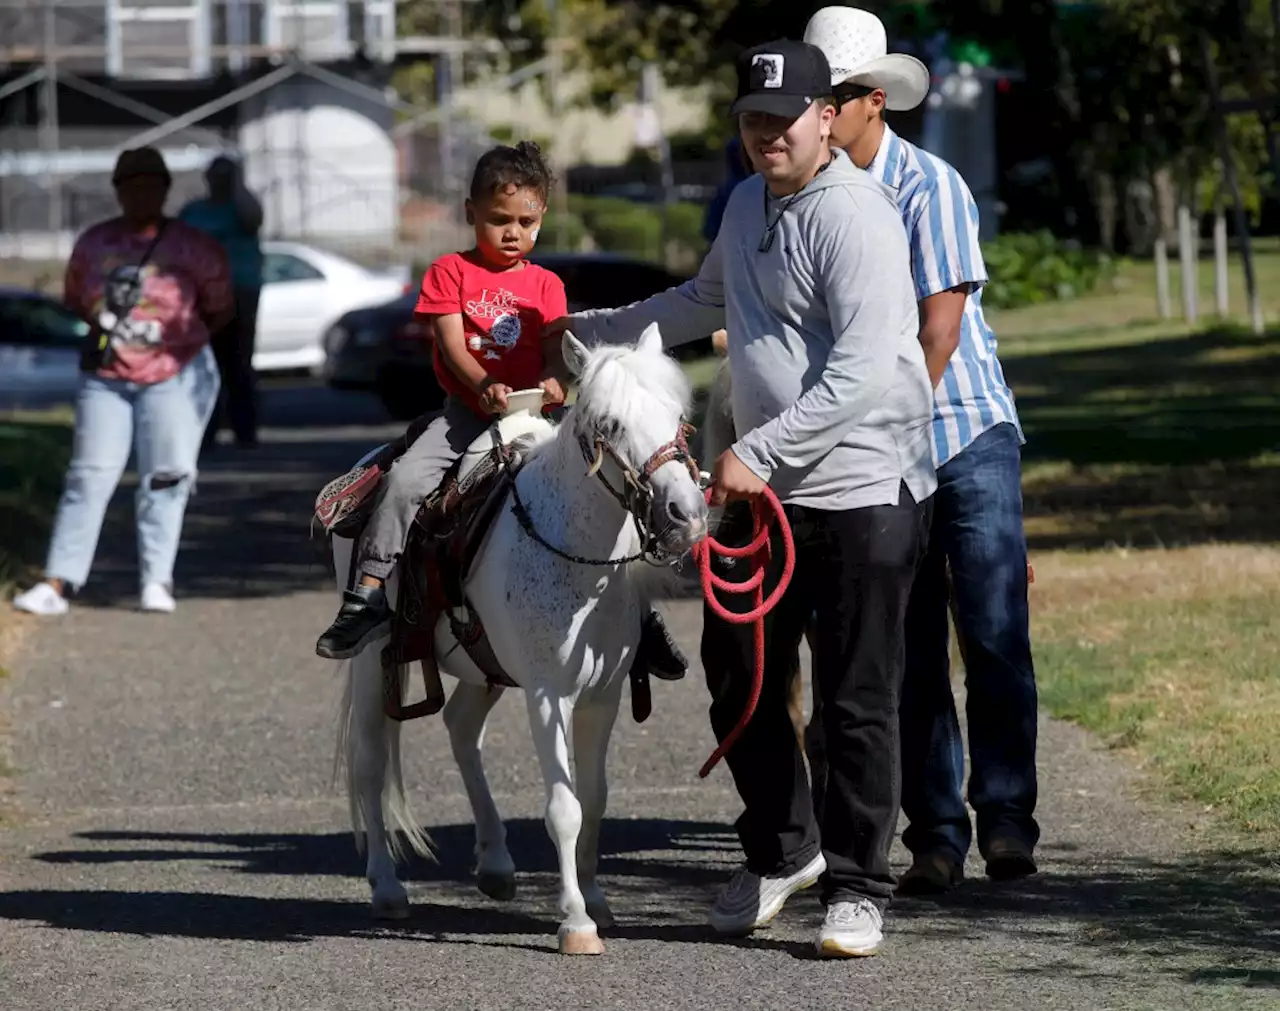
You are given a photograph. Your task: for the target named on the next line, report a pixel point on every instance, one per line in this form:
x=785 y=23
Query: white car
x=304 y=292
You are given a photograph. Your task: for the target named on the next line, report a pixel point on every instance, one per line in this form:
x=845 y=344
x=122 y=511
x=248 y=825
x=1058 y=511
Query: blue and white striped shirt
x=942 y=226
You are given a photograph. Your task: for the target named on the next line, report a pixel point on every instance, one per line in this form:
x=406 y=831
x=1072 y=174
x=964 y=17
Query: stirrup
x=392 y=703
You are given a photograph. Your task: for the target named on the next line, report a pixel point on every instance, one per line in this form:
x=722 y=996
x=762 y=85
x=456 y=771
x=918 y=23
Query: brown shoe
x=1009 y=859
x=931 y=873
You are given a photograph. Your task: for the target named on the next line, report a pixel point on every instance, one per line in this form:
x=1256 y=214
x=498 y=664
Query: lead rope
x=758 y=550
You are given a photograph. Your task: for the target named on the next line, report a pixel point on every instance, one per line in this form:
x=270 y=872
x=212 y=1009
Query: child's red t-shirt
x=503 y=315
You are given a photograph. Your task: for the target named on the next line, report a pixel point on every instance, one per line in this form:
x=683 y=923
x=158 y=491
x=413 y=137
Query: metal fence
x=386 y=191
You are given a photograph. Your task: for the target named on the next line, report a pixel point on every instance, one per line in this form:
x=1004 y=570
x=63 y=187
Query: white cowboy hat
x=856 y=46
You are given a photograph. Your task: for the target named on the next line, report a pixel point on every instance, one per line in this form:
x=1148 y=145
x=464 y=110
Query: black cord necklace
x=766 y=240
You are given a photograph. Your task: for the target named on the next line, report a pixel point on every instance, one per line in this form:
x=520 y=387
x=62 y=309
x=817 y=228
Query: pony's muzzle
x=686 y=524
x=677 y=538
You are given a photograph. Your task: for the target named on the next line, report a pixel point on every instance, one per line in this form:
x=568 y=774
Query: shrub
x=574 y=234
x=684 y=225
x=618 y=225
x=621 y=226
x=1027 y=268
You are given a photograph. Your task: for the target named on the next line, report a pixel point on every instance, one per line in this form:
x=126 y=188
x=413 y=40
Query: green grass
x=1174 y=655
x=34 y=450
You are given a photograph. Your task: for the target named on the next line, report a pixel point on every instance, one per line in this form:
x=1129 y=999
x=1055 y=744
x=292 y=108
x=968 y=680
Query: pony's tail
x=362 y=723
x=402 y=827
x=360 y=691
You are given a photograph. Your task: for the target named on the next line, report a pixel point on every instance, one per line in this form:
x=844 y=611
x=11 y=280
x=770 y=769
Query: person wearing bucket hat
x=811 y=273
x=977 y=532
x=151 y=289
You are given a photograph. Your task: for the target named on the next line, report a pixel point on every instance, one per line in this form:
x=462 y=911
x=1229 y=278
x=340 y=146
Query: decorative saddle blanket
x=344 y=504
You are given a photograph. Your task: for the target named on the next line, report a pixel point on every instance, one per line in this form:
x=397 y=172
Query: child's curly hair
x=522 y=166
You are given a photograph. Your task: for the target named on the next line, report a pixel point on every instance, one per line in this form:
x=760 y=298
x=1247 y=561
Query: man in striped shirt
x=977 y=522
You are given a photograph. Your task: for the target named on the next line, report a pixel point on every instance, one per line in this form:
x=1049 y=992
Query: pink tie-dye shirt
x=184 y=283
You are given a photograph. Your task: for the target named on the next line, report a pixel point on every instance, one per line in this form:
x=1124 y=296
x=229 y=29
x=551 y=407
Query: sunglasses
x=850 y=92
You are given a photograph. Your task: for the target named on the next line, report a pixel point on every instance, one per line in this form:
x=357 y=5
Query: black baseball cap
x=781 y=78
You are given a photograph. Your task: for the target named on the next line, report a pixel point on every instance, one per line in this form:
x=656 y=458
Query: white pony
x=565 y=630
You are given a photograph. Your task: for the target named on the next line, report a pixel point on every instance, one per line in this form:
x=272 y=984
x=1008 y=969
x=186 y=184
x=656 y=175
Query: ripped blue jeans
x=162 y=425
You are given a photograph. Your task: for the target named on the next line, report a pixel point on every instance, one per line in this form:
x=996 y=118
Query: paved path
x=180 y=842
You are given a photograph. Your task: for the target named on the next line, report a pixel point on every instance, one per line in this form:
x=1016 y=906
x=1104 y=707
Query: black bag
x=123 y=288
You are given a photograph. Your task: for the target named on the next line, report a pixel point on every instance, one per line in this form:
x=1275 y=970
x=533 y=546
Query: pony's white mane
x=620 y=387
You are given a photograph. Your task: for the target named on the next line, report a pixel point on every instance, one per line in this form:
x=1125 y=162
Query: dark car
x=40 y=342
x=384 y=349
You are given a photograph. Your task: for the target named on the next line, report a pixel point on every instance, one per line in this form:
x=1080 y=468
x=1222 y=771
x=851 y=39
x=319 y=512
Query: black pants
x=854 y=571
x=233 y=349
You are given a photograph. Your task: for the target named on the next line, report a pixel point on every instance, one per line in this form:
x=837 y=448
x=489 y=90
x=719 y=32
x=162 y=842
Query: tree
x=1119 y=83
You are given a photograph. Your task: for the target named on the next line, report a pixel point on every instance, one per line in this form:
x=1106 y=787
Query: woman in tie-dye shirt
x=152 y=289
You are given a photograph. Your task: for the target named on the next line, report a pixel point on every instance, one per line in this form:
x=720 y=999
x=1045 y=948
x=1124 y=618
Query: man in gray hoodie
x=811 y=273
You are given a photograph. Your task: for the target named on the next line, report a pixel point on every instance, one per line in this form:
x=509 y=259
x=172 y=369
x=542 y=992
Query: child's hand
x=494 y=398
x=552 y=391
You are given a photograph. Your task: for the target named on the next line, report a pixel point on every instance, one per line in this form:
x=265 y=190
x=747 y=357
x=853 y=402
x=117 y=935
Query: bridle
x=635 y=496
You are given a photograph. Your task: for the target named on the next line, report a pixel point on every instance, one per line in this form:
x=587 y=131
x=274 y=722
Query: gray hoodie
x=829 y=379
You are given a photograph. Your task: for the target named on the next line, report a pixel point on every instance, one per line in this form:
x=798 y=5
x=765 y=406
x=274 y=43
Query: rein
x=636 y=498
x=758 y=550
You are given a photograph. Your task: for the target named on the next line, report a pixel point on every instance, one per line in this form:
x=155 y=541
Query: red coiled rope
x=758 y=550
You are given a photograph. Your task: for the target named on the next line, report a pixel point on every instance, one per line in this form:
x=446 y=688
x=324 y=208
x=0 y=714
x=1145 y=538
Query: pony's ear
x=651 y=340
x=574 y=353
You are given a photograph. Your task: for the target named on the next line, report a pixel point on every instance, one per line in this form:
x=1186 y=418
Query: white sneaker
x=42 y=599
x=851 y=930
x=155 y=597
x=749 y=901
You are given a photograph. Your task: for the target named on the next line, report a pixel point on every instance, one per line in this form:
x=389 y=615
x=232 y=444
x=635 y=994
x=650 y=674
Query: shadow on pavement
x=1218 y=907
x=640 y=859
x=1206 y=919
x=622 y=843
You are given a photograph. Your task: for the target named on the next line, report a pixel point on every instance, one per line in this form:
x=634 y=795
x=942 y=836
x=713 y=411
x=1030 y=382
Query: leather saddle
x=443 y=543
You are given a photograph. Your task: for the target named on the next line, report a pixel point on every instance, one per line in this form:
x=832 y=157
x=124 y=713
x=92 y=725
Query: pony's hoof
x=391 y=909
x=580 y=942
x=497 y=886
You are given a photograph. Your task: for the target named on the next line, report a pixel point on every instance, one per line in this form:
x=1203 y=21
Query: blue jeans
x=977 y=528
x=163 y=424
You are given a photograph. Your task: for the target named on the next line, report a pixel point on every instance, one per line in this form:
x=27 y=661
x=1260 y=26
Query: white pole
x=1187 y=255
x=1233 y=184
x=1220 y=261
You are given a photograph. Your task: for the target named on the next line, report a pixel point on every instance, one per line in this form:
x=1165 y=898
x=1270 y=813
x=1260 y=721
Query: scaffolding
x=188 y=75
